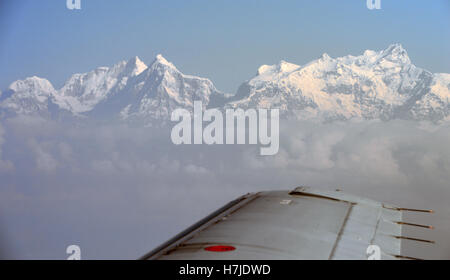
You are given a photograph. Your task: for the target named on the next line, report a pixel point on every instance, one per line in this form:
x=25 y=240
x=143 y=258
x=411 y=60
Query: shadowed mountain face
x=375 y=85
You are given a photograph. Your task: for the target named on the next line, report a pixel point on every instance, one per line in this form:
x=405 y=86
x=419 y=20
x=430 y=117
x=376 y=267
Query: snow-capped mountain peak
x=135 y=66
x=373 y=85
x=281 y=67
x=32 y=86
x=161 y=62
x=82 y=92
x=28 y=96
x=396 y=52
x=377 y=84
x=325 y=56
x=160 y=89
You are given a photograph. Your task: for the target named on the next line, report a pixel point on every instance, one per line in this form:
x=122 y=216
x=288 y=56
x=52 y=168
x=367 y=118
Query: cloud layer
x=118 y=191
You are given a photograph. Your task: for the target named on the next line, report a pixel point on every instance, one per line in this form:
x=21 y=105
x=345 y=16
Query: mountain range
x=374 y=85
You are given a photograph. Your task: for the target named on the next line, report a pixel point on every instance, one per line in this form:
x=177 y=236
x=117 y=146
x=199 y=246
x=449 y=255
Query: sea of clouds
x=118 y=191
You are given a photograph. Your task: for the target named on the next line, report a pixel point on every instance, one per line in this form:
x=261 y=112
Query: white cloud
x=5 y=165
x=103 y=166
x=128 y=175
x=43 y=158
x=194 y=169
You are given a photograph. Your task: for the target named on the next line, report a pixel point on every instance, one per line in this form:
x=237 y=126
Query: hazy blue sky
x=223 y=40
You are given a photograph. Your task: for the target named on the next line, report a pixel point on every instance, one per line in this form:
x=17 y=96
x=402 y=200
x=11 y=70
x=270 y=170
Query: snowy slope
x=29 y=96
x=82 y=92
x=435 y=105
x=157 y=91
x=128 y=90
x=374 y=85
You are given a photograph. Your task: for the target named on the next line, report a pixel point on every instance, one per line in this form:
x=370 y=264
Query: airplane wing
x=304 y=223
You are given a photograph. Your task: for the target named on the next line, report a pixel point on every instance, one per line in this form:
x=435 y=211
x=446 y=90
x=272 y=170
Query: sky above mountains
x=221 y=40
